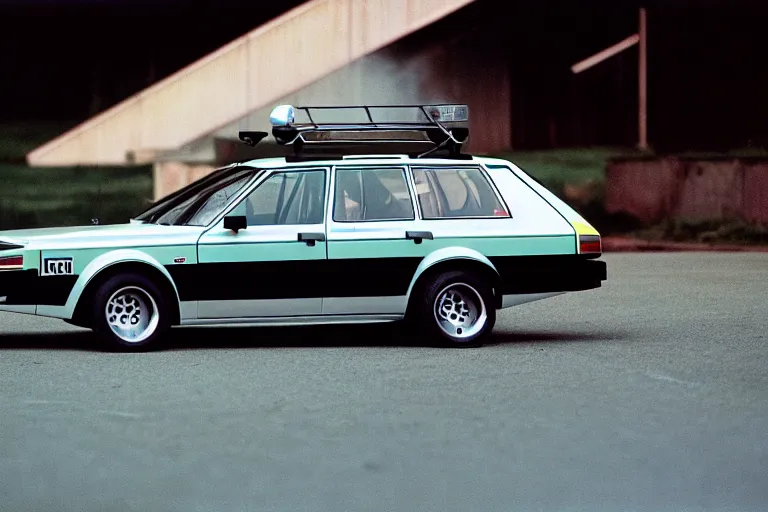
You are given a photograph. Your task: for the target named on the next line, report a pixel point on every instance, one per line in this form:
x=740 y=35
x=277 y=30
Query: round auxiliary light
x=282 y=115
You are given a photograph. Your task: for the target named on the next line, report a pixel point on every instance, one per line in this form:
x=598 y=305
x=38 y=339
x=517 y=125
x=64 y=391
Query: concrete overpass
x=322 y=52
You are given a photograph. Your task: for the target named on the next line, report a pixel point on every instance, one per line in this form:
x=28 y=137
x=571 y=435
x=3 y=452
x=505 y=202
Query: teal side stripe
x=498 y=246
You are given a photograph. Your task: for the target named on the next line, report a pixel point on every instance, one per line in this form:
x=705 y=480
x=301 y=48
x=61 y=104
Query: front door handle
x=418 y=236
x=311 y=238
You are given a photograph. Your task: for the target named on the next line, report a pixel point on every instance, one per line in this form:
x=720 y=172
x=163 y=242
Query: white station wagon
x=333 y=233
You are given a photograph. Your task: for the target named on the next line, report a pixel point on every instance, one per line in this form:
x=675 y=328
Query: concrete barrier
x=693 y=189
x=755 y=202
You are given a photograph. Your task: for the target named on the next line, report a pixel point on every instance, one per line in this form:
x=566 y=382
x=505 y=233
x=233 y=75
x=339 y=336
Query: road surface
x=649 y=394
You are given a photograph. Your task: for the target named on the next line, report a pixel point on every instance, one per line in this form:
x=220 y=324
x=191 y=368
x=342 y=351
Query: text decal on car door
x=57 y=267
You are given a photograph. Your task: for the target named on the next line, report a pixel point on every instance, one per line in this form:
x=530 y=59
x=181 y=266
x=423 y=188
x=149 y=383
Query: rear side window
x=371 y=195
x=451 y=193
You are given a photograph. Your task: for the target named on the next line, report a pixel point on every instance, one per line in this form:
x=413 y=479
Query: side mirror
x=235 y=222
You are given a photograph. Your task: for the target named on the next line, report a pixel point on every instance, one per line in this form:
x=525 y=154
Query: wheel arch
x=111 y=264
x=454 y=258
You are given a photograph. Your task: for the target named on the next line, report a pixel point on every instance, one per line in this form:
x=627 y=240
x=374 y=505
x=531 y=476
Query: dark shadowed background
x=63 y=61
x=66 y=60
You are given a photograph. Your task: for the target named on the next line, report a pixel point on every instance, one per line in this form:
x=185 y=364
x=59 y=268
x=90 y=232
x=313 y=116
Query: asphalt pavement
x=648 y=394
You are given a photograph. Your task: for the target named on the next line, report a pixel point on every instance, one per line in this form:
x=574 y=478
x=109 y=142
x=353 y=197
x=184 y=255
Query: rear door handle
x=311 y=238
x=418 y=236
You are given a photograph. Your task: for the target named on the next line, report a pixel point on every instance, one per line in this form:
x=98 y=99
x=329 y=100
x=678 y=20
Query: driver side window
x=286 y=198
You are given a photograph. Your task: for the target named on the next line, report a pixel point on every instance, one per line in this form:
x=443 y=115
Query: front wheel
x=129 y=312
x=458 y=308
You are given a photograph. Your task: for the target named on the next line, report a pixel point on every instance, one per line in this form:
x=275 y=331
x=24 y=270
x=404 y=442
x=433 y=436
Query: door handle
x=418 y=236
x=311 y=238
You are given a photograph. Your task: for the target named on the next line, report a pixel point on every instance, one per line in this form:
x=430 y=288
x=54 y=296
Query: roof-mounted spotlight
x=281 y=119
x=282 y=115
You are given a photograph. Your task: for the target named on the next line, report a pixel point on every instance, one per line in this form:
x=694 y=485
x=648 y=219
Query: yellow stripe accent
x=584 y=229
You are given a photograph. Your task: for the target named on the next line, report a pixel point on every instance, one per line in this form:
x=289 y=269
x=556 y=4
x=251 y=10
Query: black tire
x=137 y=292
x=469 y=287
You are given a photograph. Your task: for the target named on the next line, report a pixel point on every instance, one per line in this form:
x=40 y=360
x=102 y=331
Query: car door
x=373 y=251
x=269 y=268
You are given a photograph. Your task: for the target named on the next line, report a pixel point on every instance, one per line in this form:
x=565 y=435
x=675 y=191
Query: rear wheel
x=457 y=308
x=130 y=313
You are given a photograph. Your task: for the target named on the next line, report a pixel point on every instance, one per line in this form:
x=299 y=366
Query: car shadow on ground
x=289 y=337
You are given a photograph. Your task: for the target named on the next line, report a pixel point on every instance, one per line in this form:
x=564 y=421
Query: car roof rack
x=443 y=128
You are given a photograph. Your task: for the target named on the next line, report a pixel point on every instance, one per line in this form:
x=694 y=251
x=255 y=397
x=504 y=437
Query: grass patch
x=555 y=168
x=63 y=196
x=48 y=197
x=41 y=197
x=577 y=176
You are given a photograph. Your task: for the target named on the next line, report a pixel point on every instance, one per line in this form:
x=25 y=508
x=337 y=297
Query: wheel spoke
x=460 y=311
x=132 y=314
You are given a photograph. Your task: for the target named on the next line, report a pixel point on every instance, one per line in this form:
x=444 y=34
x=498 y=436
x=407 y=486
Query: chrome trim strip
x=187 y=310
x=61 y=312
x=294 y=321
x=364 y=305
x=25 y=310
x=249 y=309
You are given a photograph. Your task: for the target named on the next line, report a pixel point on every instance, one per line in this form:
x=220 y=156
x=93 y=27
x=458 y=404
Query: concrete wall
x=434 y=74
x=169 y=177
x=442 y=71
x=276 y=59
x=696 y=190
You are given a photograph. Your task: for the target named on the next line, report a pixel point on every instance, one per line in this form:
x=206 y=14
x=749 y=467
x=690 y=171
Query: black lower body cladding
x=26 y=287
x=369 y=277
x=549 y=274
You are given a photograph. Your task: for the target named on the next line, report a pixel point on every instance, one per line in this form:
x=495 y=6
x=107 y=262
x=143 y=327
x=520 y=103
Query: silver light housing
x=282 y=115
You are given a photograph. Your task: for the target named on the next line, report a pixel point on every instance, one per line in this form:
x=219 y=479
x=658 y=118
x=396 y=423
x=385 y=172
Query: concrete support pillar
x=170 y=176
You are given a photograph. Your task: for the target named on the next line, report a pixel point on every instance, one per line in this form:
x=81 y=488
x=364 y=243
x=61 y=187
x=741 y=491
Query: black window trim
x=403 y=168
x=449 y=166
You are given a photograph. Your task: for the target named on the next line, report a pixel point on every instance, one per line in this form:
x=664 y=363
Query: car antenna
x=95 y=219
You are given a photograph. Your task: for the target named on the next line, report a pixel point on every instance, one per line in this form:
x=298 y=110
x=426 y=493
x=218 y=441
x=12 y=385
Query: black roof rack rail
x=441 y=127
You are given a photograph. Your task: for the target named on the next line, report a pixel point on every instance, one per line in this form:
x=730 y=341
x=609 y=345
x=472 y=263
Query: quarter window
x=446 y=193
x=371 y=195
x=286 y=198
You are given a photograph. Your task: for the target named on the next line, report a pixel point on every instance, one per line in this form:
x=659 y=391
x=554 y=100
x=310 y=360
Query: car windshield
x=203 y=211
x=199 y=202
